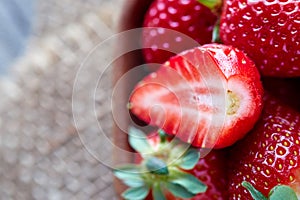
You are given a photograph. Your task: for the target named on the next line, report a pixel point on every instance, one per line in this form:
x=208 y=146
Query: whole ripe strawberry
x=267 y=30
x=269 y=155
x=169 y=169
x=192 y=24
x=209 y=96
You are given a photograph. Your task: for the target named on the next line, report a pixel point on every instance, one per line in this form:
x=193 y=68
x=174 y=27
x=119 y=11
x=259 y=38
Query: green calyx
x=214 y=5
x=162 y=168
x=279 y=192
x=156 y=166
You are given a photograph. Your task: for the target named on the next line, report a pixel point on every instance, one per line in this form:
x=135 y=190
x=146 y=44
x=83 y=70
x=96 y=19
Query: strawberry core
x=233 y=103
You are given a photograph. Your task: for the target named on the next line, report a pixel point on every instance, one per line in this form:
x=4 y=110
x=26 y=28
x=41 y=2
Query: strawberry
x=269 y=155
x=175 y=26
x=268 y=31
x=167 y=168
x=209 y=96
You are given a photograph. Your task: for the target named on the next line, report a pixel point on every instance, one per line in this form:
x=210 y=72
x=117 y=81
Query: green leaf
x=134 y=183
x=189 y=159
x=211 y=4
x=280 y=192
x=157 y=166
x=138 y=141
x=157 y=193
x=128 y=168
x=130 y=175
x=179 y=149
x=189 y=182
x=137 y=193
x=256 y=195
x=178 y=190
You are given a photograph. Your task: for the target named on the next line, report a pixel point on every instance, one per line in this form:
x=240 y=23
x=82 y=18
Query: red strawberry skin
x=211 y=170
x=188 y=17
x=269 y=155
x=209 y=96
x=268 y=31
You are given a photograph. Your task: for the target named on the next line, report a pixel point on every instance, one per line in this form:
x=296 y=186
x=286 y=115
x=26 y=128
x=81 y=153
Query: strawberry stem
x=162 y=136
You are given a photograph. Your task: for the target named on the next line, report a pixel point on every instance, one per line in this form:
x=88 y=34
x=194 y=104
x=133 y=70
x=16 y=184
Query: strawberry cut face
x=209 y=96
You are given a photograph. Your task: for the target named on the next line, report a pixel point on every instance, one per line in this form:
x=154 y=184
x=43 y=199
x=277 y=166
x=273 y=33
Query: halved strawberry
x=167 y=168
x=209 y=96
x=269 y=155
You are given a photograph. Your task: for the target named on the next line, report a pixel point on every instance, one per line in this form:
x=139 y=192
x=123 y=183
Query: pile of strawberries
x=225 y=107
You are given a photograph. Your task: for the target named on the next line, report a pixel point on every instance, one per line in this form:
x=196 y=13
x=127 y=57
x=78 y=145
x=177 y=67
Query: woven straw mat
x=42 y=154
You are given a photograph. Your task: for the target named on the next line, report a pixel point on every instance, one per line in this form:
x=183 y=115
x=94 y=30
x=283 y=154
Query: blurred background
x=42 y=44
